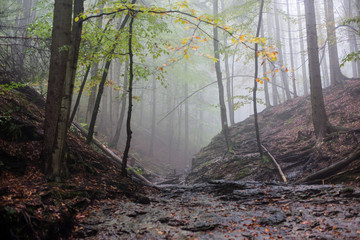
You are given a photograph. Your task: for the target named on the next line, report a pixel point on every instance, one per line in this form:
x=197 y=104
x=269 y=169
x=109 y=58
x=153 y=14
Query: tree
x=280 y=54
x=319 y=117
x=103 y=80
x=130 y=97
x=114 y=141
x=153 y=117
x=336 y=77
x=224 y=124
x=64 y=52
x=256 y=81
x=291 y=49
x=302 y=50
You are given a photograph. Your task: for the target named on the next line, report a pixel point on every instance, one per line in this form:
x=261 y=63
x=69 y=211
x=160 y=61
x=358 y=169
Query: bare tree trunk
x=92 y=96
x=291 y=50
x=61 y=82
x=128 y=121
x=266 y=86
x=302 y=49
x=352 y=38
x=153 y=117
x=335 y=73
x=102 y=83
x=281 y=55
x=170 y=131
x=224 y=125
x=115 y=140
x=319 y=116
x=186 y=116
x=228 y=79
x=255 y=82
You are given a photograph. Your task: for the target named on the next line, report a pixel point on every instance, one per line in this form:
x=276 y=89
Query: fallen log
x=117 y=160
x=275 y=163
x=332 y=169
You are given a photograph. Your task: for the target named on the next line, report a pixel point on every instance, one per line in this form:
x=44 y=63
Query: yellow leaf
x=242 y=38
x=76 y=19
x=187 y=56
x=184 y=41
x=261 y=82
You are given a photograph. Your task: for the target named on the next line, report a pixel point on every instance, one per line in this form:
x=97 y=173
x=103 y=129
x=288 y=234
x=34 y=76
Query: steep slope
x=287 y=132
x=30 y=206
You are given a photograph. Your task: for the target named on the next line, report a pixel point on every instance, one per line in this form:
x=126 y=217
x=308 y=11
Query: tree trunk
x=266 y=86
x=302 y=50
x=224 y=125
x=115 y=140
x=102 y=83
x=336 y=76
x=153 y=117
x=256 y=81
x=128 y=121
x=93 y=89
x=291 y=50
x=323 y=60
x=352 y=39
x=275 y=94
x=63 y=63
x=186 y=125
x=280 y=55
x=319 y=116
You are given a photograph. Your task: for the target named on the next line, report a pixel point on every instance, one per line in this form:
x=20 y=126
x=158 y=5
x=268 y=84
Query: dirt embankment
x=30 y=206
x=287 y=132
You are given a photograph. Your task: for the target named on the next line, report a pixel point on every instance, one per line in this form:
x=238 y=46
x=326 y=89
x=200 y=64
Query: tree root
x=331 y=170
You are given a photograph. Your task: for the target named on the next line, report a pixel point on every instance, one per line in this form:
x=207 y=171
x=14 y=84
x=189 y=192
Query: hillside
x=30 y=206
x=287 y=132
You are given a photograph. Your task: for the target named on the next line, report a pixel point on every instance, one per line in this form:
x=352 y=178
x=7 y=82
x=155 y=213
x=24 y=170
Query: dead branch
x=117 y=160
x=275 y=163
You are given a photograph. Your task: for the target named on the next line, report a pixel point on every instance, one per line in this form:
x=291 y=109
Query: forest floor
x=95 y=202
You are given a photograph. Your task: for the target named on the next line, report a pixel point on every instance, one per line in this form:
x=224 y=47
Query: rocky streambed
x=228 y=210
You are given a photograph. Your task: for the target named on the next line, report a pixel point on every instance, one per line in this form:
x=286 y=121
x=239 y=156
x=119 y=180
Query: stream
x=229 y=210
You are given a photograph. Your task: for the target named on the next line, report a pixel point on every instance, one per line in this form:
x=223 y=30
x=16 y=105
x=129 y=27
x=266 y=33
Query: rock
x=275 y=218
x=197 y=227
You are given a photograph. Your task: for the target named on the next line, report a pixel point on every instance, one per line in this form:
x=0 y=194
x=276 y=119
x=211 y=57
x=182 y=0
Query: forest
x=207 y=119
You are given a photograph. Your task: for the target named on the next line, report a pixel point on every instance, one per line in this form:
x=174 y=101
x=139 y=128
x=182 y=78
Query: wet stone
x=232 y=210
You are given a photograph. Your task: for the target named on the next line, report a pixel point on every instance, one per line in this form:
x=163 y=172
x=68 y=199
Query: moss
x=242 y=173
